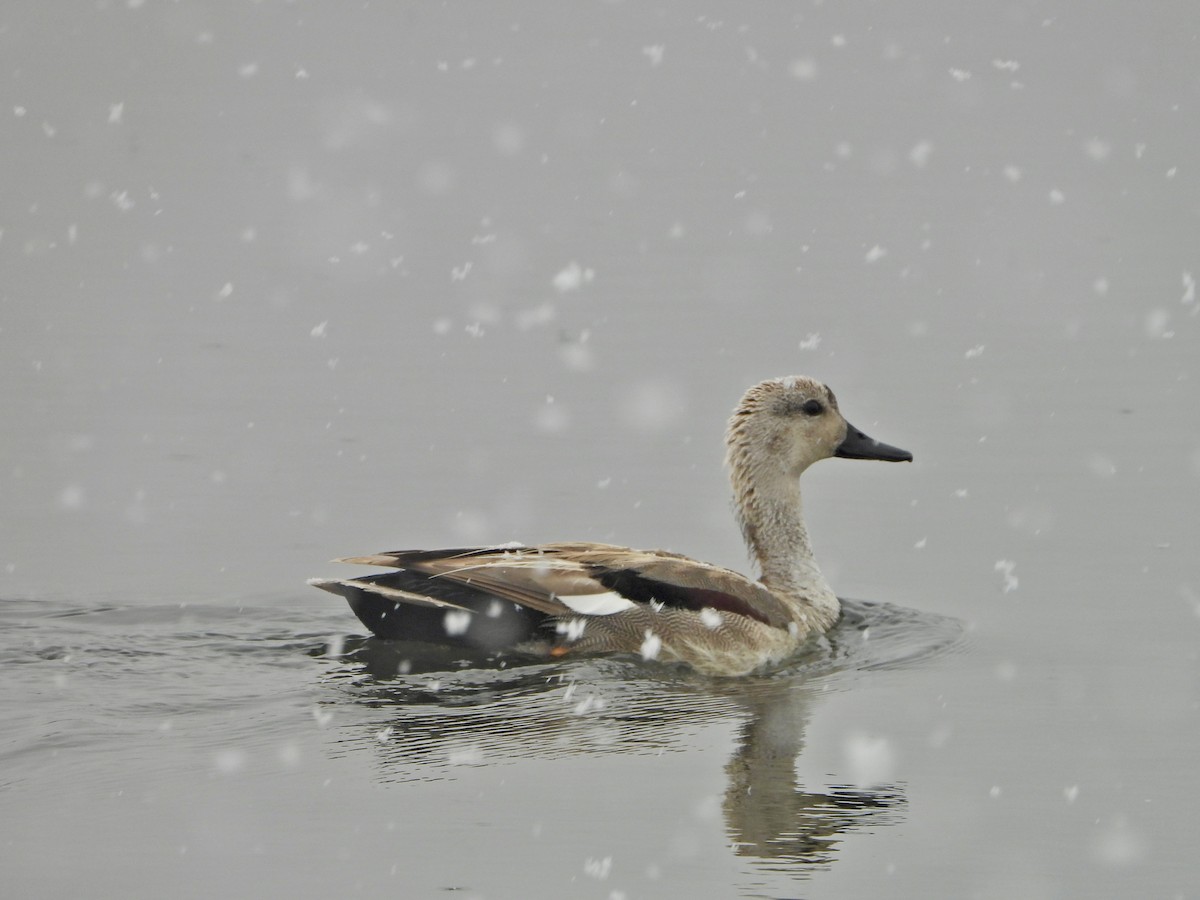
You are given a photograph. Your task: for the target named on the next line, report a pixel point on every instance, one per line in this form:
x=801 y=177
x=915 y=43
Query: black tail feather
x=493 y=624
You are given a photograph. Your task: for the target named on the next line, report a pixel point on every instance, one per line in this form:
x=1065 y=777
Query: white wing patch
x=597 y=604
x=710 y=617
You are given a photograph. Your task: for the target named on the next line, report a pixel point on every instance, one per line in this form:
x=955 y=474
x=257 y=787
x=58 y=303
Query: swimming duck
x=576 y=598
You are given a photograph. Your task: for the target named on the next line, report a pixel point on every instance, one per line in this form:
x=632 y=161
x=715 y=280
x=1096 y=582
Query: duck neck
x=773 y=526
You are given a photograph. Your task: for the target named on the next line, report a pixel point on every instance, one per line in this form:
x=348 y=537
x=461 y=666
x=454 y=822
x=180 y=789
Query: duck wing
x=578 y=578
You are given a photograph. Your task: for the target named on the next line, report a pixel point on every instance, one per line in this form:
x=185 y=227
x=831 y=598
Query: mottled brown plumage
x=585 y=598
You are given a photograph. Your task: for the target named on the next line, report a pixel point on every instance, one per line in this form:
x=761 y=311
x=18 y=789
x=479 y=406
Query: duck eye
x=813 y=408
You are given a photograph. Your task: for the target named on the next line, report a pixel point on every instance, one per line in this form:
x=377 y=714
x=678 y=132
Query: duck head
x=783 y=426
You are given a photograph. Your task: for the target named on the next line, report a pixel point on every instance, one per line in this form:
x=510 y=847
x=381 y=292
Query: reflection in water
x=475 y=716
x=767 y=815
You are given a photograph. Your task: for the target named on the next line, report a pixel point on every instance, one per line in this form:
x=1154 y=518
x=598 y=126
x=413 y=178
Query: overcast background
x=284 y=281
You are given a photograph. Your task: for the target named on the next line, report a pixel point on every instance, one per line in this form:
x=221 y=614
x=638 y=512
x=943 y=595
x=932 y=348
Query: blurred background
x=285 y=281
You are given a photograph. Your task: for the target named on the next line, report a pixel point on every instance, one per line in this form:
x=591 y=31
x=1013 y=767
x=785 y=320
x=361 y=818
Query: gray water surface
x=288 y=281
x=209 y=765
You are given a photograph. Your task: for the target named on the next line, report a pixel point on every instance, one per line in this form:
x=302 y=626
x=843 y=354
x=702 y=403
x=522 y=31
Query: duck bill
x=859 y=446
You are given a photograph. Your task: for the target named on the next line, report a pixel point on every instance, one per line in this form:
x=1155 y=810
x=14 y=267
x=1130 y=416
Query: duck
x=577 y=599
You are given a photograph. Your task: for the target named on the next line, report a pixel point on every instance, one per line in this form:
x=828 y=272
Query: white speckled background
x=283 y=281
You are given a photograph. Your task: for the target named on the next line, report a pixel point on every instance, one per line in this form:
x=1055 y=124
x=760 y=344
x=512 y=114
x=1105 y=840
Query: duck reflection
x=444 y=712
x=770 y=816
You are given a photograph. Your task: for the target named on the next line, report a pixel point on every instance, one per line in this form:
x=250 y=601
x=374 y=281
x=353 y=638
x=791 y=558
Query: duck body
x=580 y=598
x=577 y=598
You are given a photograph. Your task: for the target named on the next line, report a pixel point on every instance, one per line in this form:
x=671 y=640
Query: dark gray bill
x=858 y=446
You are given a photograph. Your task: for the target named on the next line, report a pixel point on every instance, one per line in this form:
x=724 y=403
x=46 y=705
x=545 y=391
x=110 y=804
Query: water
x=206 y=734
x=287 y=282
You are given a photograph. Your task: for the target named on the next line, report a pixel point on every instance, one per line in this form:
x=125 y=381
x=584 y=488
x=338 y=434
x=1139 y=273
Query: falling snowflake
x=651 y=645
x=870 y=760
x=572 y=278
x=803 y=69
x=456 y=622
x=598 y=868
x=654 y=53
x=1006 y=566
x=571 y=629
x=920 y=153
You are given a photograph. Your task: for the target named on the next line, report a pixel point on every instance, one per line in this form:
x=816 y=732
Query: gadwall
x=568 y=599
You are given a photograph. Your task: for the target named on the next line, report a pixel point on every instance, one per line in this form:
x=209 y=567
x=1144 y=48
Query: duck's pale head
x=784 y=425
